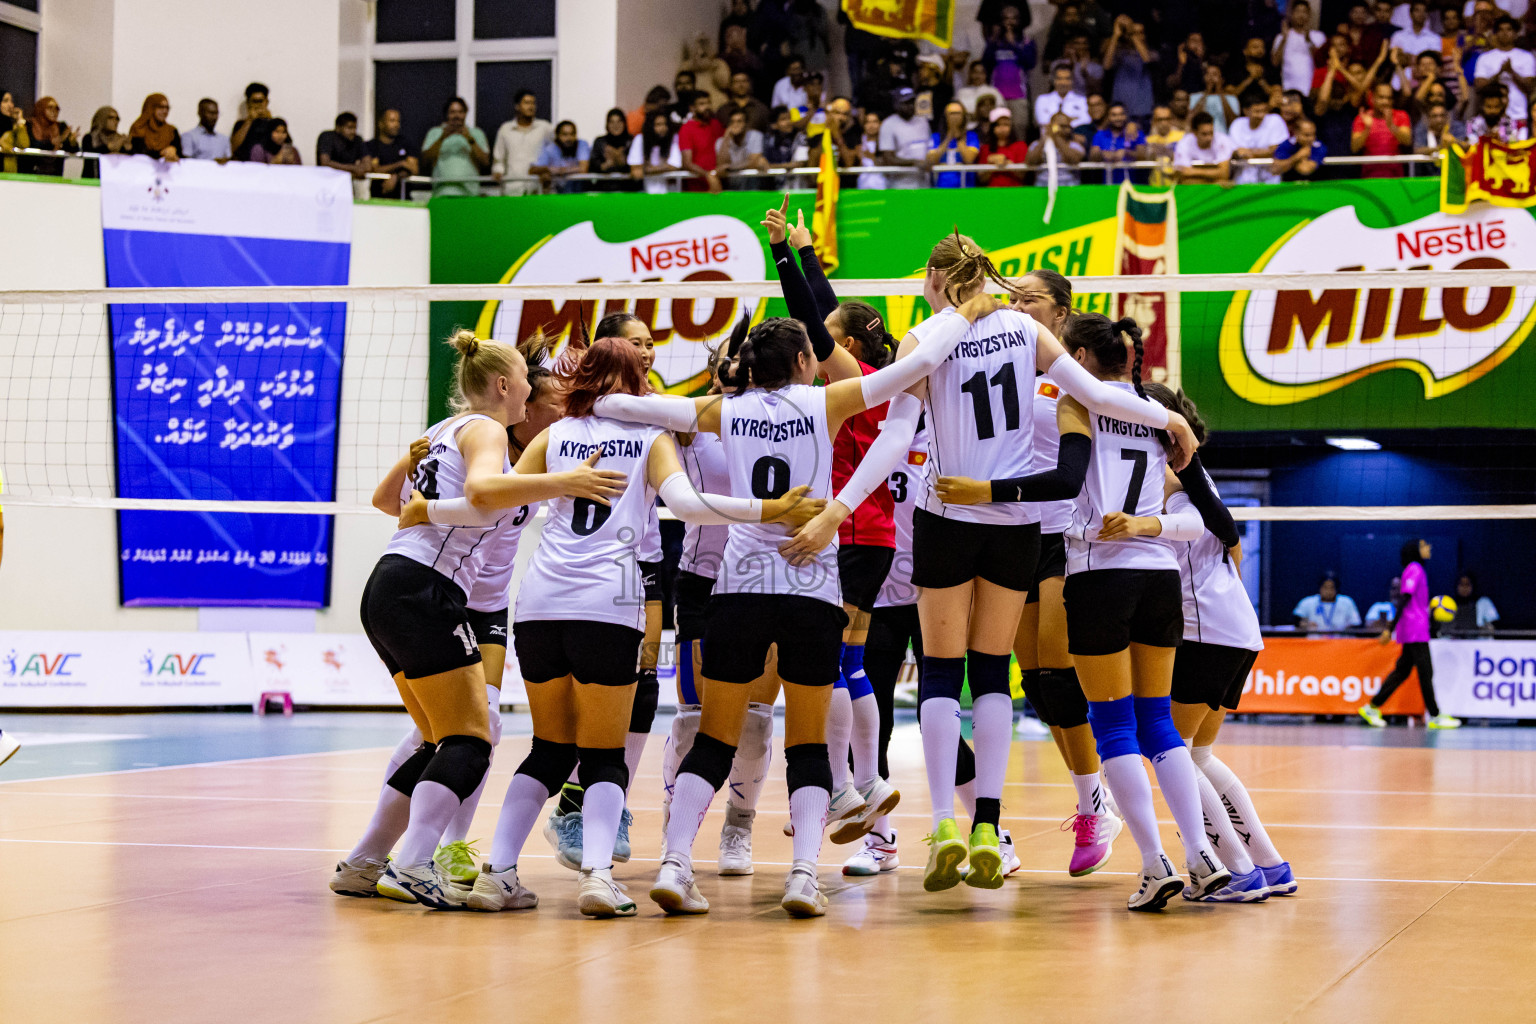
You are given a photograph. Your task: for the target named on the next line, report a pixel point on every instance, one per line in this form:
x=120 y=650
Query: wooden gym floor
x=197 y=892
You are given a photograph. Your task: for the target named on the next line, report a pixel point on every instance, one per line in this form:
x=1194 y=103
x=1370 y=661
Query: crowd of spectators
x=1248 y=91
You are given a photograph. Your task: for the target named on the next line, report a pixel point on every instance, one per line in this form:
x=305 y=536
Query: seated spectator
x=151 y=134
x=712 y=74
x=342 y=149
x=811 y=111
x=1188 y=66
x=1004 y=147
x=1326 y=611
x=254 y=126
x=696 y=143
x=654 y=152
x=683 y=86
x=865 y=152
x=1514 y=68
x=1061 y=100
x=740 y=148
x=103 y=138
x=1298 y=158
x=1068 y=151
x=456 y=152
x=957 y=144
x=1178 y=109
x=841 y=121
x=1474 y=613
x=48 y=132
x=1215 y=100
x=562 y=156
x=1296 y=50
x=738 y=57
x=15 y=136
x=1382 y=614
x=610 y=151
x=1162 y=136
x=277 y=147
x=784 y=144
x=1293 y=110
x=1493 y=118
x=1098 y=120
x=657 y=99
x=1119 y=141
x=1381 y=130
x=1251 y=67
x=904 y=141
x=1008 y=58
x=202 y=142
x=518 y=144
x=789 y=91
x=741 y=99
x=1131 y=60
x=976 y=85
x=985 y=104
x=391 y=153
x=1203 y=145
x=1435 y=131
x=1254 y=137
x=1087 y=73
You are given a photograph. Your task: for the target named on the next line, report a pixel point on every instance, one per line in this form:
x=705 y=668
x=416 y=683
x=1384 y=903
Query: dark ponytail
x=863 y=323
x=1410 y=552
x=1126 y=325
x=768 y=357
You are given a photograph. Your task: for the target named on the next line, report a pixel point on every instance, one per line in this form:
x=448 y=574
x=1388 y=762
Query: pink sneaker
x=1094 y=838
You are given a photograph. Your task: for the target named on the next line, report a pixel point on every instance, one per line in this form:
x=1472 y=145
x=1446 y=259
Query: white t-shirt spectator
x=1297 y=67
x=908 y=139
x=1270 y=132
x=1522 y=63
x=1074 y=104
x=1066 y=174
x=1327 y=616
x=786 y=93
x=1414 y=43
x=639 y=158
x=1187 y=151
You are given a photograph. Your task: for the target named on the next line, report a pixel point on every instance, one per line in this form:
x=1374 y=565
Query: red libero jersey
x=872 y=522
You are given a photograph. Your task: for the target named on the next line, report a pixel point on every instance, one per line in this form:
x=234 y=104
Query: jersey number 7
x=1138 y=477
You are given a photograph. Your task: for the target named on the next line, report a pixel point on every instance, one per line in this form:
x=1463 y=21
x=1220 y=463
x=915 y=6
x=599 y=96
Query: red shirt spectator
x=1381 y=130
x=696 y=140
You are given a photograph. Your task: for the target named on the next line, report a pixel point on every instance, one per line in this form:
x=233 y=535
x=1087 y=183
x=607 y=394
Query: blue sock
x=1114 y=727
x=853 y=672
x=1155 y=732
x=685 y=684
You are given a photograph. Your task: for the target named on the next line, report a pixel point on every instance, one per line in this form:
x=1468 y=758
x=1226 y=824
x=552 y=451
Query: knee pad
x=643 y=712
x=806 y=764
x=687 y=687
x=602 y=764
x=756 y=731
x=853 y=674
x=1114 y=727
x=1154 y=726
x=942 y=678
x=460 y=764
x=1061 y=690
x=988 y=673
x=409 y=773
x=549 y=764
x=710 y=759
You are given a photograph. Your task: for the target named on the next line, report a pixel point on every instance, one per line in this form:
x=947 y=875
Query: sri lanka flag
x=824 y=219
x=933 y=20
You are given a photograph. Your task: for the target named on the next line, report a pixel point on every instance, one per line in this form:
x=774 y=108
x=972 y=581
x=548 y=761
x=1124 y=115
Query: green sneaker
x=946 y=853
x=986 y=859
x=1373 y=717
x=457 y=861
x=1443 y=722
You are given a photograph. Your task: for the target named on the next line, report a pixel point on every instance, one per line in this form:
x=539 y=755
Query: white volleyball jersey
x=650 y=543
x=704 y=462
x=1125 y=474
x=1216 y=607
x=587 y=565
x=490 y=590
x=773 y=441
x=1055 y=516
x=457 y=552
x=980 y=421
x=905 y=481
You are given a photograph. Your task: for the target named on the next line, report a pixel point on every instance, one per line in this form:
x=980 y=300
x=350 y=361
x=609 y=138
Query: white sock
x=1177 y=778
x=1245 y=820
x=458 y=828
x=1218 y=829
x=939 y=718
x=520 y=811
x=1090 y=794
x=634 y=749
x=966 y=794
x=1129 y=777
x=1109 y=794
x=754 y=751
x=433 y=806
x=690 y=801
x=866 y=741
x=402 y=752
x=883 y=825
x=391 y=816
x=839 y=731
x=808 y=814
x=992 y=731
x=685 y=726
x=601 y=808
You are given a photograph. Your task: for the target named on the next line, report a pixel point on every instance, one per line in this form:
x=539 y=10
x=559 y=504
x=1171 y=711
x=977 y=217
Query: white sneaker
x=598 y=895
x=389 y=887
x=1011 y=862
x=802 y=893
x=428 y=884
x=500 y=890
x=1430 y=721
x=358 y=878
x=877 y=856
x=843 y=815
x=735 y=850
x=1156 y=888
x=8 y=746
x=1206 y=876
x=1031 y=728
x=880 y=798
x=674 y=890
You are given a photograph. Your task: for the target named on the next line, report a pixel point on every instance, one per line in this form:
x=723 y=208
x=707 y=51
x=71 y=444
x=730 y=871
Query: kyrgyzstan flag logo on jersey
x=916 y=458
x=1049 y=390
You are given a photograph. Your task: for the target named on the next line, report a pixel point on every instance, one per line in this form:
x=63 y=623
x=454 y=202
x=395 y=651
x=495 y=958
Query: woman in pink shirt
x=1412 y=631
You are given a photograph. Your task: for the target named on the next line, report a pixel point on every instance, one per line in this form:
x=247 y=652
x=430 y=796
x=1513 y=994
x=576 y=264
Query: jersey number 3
x=981 y=398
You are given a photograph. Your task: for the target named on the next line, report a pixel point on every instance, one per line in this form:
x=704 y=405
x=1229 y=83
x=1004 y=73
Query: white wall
x=74 y=60
x=651 y=37
x=586 y=78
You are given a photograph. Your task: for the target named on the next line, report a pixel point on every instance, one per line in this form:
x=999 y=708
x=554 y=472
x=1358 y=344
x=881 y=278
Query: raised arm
x=797 y=293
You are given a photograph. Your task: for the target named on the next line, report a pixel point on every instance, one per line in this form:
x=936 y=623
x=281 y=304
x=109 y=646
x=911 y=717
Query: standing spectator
x=1215 y=100
x=933 y=91
x=456 y=152
x=683 y=86
x=103 y=138
x=1474 y=613
x=741 y=99
x=1453 y=44
x=202 y=142
x=738 y=58
x=1252 y=67
x=1087 y=73
x=739 y=16
x=1418 y=37
x=1298 y=49
x=789 y=91
x=955 y=145
x=1203 y=145
x=785 y=145
x=610 y=151
x=811 y=112
x=255 y=125
x=1382 y=614
x=1299 y=158
x=1366 y=38
x=1381 y=130
x=1129 y=58
x=152 y=134
x=1293 y=110
x=1098 y=118
x=519 y=143
x=654 y=152
x=1254 y=137
x=1178 y=109
x=1188 y=71
x=1337 y=101
x=562 y=156
x=1326 y=611
x=867 y=148
x=1493 y=117
x=740 y=148
x=696 y=141
x=1004 y=147
x=904 y=140
x=712 y=73
x=1008 y=58
x=1067 y=23
x=1515 y=69
x=277 y=147
x=1060 y=100
x=1162 y=136
x=976 y=86
x=1119 y=141
x=657 y=99
x=48 y=132
x=342 y=149
x=391 y=153
x=1436 y=130
x=1420 y=82
x=1069 y=153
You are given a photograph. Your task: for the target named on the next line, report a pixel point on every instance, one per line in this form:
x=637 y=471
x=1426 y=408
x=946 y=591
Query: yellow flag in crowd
x=824 y=220
x=933 y=20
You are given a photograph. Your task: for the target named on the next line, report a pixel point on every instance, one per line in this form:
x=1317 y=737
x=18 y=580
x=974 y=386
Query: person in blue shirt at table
x=1119 y=141
x=563 y=155
x=957 y=144
x=1326 y=611
x=1382 y=614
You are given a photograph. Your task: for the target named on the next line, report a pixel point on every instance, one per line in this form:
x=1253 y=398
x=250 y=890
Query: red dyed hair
x=612 y=366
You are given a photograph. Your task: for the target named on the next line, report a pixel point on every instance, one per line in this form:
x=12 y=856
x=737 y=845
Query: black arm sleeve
x=1065 y=481
x=802 y=305
x=821 y=288
x=1212 y=512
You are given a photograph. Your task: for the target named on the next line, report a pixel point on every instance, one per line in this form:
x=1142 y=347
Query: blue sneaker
x=1278 y=880
x=564 y=834
x=621 y=841
x=1249 y=888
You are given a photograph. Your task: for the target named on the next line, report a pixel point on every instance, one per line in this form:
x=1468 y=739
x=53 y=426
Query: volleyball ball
x=1443 y=608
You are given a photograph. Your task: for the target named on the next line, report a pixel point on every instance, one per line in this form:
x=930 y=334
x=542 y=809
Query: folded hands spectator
x=152 y=134
x=1513 y=67
x=609 y=153
x=956 y=144
x=1299 y=158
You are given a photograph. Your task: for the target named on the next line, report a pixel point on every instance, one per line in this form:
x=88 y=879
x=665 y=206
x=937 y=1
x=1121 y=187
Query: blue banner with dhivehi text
x=222 y=401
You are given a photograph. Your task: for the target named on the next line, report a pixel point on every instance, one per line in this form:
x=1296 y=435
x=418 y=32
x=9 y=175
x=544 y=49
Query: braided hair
x=863 y=323
x=1101 y=336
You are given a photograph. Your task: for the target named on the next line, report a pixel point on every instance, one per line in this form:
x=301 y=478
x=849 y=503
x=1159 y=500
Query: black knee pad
x=602 y=764
x=710 y=759
x=460 y=764
x=409 y=773
x=806 y=764
x=1062 y=691
x=647 y=694
x=986 y=673
x=548 y=763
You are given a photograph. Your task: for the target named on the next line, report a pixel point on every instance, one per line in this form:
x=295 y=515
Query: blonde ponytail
x=481 y=362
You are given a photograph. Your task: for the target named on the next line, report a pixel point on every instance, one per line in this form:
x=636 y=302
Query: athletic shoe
x=1278 y=880
x=1093 y=841
x=1031 y=728
x=598 y=895
x=1207 y=876
x=1372 y=716
x=8 y=746
x=674 y=890
x=1156 y=888
x=458 y=862
x=844 y=815
x=1437 y=722
x=357 y=878
x=564 y=834
x=500 y=890
x=879 y=797
x=802 y=893
x=620 y=842
x=390 y=889
x=429 y=885
x=946 y=854
x=1249 y=888
x=877 y=856
x=986 y=859
x=735 y=850
x=1011 y=862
